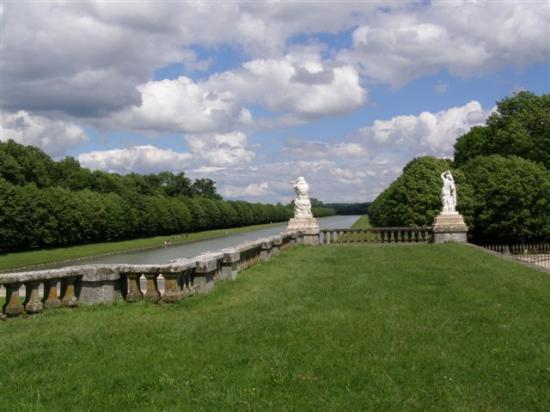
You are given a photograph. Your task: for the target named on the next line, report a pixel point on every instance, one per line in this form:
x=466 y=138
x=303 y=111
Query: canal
x=189 y=250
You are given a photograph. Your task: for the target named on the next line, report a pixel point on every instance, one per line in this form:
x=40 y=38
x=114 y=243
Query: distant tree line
x=46 y=203
x=349 y=208
x=502 y=173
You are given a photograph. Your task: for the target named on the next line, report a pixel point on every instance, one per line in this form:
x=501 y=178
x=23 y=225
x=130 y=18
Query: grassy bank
x=361 y=223
x=375 y=327
x=39 y=257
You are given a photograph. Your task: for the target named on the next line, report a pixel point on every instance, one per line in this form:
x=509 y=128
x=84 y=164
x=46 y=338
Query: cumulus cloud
x=432 y=133
x=300 y=148
x=52 y=136
x=184 y=106
x=359 y=167
x=141 y=159
x=251 y=190
x=300 y=84
x=86 y=58
x=220 y=149
x=402 y=45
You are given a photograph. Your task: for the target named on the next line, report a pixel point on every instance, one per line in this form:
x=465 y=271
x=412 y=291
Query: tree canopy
x=502 y=174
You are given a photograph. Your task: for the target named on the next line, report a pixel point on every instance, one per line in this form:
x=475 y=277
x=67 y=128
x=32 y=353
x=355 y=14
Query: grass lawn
x=361 y=223
x=15 y=260
x=367 y=327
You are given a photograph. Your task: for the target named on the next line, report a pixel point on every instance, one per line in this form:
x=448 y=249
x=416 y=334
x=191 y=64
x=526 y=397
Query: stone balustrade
x=91 y=284
x=72 y=286
x=421 y=234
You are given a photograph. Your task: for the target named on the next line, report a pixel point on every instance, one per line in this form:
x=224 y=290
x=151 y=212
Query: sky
x=255 y=94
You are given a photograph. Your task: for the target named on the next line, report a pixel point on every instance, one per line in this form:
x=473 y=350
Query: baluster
x=13 y=307
x=152 y=293
x=134 y=290
x=172 y=291
x=33 y=304
x=50 y=294
x=69 y=298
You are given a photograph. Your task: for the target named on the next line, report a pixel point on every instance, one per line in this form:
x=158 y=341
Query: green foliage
x=510 y=199
x=501 y=174
x=44 y=203
x=520 y=127
x=362 y=223
x=349 y=208
x=375 y=328
x=414 y=198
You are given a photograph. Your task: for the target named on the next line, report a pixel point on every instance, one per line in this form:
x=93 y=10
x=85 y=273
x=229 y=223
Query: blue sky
x=255 y=94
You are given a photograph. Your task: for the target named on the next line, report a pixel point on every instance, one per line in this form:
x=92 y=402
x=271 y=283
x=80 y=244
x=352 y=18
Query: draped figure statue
x=448 y=192
x=302 y=205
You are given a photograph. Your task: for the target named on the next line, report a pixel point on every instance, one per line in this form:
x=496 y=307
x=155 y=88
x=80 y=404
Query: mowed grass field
x=367 y=327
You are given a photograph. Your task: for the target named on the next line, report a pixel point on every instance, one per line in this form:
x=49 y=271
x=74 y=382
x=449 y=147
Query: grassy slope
x=362 y=223
x=420 y=327
x=39 y=257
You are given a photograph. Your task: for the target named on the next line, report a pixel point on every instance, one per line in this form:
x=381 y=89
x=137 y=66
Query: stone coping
x=111 y=272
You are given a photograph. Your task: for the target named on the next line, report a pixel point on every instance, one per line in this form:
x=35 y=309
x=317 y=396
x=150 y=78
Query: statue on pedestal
x=449 y=225
x=303 y=220
x=448 y=192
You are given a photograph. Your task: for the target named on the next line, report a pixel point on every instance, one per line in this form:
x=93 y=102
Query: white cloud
x=432 y=133
x=52 y=136
x=141 y=159
x=86 y=58
x=251 y=190
x=300 y=148
x=182 y=105
x=220 y=149
x=300 y=82
x=402 y=45
x=301 y=85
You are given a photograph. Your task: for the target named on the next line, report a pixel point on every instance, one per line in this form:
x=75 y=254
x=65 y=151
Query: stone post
x=50 y=294
x=100 y=284
x=13 y=306
x=277 y=243
x=231 y=264
x=134 y=290
x=172 y=291
x=265 y=250
x=152 y=293
x=33 y=304
x=68 y=287
x=203 y=280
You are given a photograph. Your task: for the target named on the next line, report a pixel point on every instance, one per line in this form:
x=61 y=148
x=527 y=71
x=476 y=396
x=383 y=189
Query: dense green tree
x=205 y=188
x=414 y=198
x=520 y=126
x=510 y=199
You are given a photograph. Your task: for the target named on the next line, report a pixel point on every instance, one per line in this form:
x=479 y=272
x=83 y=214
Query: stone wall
x=92 y=284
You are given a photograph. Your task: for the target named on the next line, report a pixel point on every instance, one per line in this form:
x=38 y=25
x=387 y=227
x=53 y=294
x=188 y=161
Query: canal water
x=189 y=250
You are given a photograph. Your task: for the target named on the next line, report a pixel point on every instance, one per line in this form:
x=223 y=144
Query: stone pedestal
x=450 y=227
x=309 y=226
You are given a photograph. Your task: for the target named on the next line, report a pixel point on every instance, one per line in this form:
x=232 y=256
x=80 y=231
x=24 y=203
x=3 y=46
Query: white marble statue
x=448 y=192
x=302 y=205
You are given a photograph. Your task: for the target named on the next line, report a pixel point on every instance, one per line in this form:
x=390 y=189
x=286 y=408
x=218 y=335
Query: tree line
x=502 y=173
x=46 y=203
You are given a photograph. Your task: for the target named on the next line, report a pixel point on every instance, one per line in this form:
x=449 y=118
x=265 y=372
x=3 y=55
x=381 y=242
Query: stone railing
x=421 y=234
x=72 y=286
